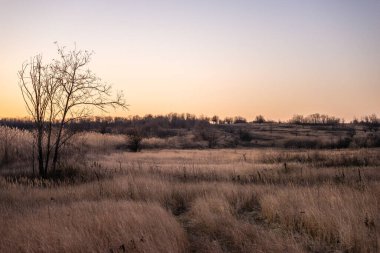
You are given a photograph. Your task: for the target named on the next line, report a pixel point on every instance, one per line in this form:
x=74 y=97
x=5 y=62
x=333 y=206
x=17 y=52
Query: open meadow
x=190 y=126
x=214 y=200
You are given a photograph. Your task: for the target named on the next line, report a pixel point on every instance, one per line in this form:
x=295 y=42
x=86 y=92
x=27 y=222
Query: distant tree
x=228 y=120
x=371 y=122
x=215 y=119
x=297 y=119
x=239 y=119
x=210 y=135
x=204 y=118
x=331 y=120
x=260 y=119
x=355 y=121
x=58 y=93
x=315 y=118
x=324 y=118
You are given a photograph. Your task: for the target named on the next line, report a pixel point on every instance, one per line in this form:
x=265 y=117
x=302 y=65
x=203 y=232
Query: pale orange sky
x=228 y=58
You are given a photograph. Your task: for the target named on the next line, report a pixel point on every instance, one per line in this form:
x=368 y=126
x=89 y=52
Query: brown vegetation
x=186 y=131
x=240 y=200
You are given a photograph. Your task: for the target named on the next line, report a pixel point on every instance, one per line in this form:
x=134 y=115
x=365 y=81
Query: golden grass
x=342 y=217
x=89 y=226
x=14 y=144
x=200 y=201
x=216 y=227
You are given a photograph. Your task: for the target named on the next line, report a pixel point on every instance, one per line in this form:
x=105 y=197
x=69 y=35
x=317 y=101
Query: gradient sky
x=275 y=58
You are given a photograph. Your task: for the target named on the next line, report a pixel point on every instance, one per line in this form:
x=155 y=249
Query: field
x=215 y=200
x=190 y=126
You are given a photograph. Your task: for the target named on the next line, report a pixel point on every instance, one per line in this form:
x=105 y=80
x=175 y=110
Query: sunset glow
x=275 y=58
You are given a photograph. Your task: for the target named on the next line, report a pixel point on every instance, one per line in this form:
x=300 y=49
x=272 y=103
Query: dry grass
x=99 y=143
x=15 y=144
x=340 y=217
x=324 y=158
x=201 y=201
x=216 y=227
x=89 y=226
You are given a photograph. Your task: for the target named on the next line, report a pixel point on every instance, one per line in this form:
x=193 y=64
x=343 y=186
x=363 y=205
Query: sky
x=276 y=58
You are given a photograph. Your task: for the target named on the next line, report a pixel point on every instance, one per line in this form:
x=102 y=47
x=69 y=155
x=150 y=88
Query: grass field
x=243 y=200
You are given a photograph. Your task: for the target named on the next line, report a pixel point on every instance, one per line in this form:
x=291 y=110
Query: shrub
x=134 y=140
x=301 y=143
x=210 y=135
x=245 y=135
x=343 y=143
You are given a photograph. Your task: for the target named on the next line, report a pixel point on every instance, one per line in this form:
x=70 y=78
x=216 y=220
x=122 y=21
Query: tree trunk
x=62 y=123
x=57 y=145
x=41 y=170
x=33 y=155
x=48 y=151
x=56 y=151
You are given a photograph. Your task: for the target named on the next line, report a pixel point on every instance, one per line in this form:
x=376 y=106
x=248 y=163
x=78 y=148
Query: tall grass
x=87 y=226
x=15 y=144
x=200 y=201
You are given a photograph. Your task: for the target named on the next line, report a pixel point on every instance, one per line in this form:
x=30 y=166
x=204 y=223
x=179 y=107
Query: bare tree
x=36 y=83
x=260 y=119
x=58 y=93
x=215 y=119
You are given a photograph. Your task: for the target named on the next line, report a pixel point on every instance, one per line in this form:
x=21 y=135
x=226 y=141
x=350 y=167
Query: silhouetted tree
x=239 y=119
x=215 y=119
x=58 y=93
x=297 y=119
x=260 y=119
x=228 y=120
x=371 y=122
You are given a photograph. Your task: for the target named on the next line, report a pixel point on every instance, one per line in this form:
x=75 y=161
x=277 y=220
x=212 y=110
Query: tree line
x=184 y=120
